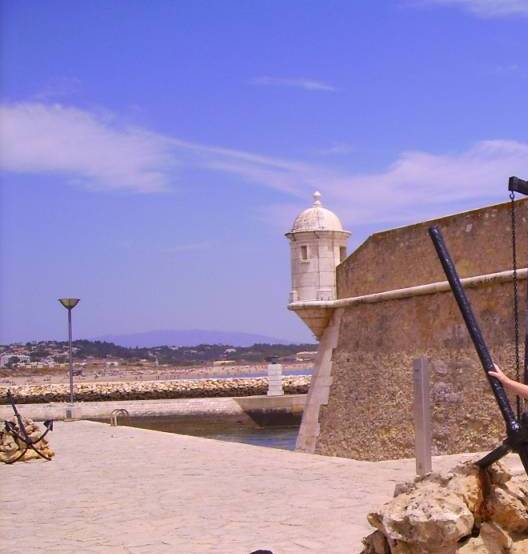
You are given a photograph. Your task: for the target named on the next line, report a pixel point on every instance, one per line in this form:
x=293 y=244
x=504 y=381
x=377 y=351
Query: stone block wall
x=369 y=413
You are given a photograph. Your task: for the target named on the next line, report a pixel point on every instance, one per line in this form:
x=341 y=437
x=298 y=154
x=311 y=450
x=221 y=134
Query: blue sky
x=153 y=154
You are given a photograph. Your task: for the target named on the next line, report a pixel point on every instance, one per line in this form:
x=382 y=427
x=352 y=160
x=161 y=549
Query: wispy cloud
x=337 y=149
x=425 y=184
x=483 y=8
x=91 y=148
x=508 y=68
x=512 y=69
x=60 y=87
x=306 y=84
x=417 y=186
x=96 y=150
x=188 y=247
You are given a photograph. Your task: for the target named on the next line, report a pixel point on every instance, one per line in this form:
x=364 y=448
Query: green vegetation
x=187 y=355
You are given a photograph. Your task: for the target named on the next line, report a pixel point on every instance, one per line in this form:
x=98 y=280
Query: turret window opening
x=304 y=253
x=342 y=253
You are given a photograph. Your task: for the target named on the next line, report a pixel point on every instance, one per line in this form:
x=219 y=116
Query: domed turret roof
x=316 y=218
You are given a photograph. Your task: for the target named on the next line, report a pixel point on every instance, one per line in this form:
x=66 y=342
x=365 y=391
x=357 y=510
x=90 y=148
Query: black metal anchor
x=516 y=429
x=23 y=437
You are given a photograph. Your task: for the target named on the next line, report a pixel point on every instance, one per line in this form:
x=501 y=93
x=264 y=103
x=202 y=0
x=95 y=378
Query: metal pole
x=72 y=400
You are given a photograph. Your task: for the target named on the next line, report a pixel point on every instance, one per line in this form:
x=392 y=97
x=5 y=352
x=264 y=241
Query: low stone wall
x=152 y=390
x=244 y=410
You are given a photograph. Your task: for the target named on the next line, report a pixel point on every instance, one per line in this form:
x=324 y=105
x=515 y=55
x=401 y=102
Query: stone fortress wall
x=361 y=400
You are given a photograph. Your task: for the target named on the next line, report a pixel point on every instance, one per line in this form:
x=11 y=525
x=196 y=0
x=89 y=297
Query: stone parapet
x=246 y=410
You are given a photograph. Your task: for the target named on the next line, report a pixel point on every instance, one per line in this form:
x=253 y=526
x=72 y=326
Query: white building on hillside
x=19 y=358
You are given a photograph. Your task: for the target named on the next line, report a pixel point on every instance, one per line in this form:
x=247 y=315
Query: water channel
x=282 y=437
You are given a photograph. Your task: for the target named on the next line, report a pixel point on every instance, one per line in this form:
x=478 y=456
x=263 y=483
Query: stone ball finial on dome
x=317 y=218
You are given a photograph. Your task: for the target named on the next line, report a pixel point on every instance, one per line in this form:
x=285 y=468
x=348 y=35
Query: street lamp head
x=69 y=303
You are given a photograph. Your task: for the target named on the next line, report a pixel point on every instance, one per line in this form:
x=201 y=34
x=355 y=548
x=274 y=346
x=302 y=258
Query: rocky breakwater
x=13 y=449
x=466 y=511
x=152 y=390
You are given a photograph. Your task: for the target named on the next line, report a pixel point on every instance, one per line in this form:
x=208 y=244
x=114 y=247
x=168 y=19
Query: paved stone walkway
x=122 y=490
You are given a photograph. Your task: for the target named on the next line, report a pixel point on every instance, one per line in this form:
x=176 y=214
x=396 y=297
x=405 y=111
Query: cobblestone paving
x=121 y=490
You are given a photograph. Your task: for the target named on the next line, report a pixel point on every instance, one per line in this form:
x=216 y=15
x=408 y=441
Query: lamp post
x=69 y=304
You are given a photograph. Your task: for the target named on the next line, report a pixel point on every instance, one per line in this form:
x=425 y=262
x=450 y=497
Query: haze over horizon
x=154 y=154
x=178 y=337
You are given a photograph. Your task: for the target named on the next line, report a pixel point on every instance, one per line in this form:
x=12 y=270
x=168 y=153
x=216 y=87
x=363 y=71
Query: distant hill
x=191 y=337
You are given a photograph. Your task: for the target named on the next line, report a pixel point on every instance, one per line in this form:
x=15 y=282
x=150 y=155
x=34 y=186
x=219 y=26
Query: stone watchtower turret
x=318 y=244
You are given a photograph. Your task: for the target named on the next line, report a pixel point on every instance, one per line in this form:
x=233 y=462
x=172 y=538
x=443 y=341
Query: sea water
x=273 y=437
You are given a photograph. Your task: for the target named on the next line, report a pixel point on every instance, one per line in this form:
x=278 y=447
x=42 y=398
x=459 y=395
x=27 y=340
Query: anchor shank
x=21 y=425
x=512 y=425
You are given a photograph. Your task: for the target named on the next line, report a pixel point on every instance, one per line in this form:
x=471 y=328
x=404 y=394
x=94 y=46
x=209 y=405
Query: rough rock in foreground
x=11 y=447
x=466 y=511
